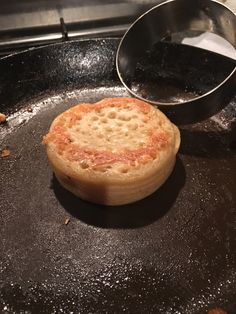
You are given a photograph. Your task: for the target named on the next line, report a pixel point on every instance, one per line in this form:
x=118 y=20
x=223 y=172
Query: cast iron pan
x=173 y=252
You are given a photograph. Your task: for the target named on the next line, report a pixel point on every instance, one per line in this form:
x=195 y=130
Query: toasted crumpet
x=113 y=152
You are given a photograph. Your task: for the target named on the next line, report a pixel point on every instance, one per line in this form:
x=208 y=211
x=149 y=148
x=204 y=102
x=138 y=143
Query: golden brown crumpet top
x=111 y=145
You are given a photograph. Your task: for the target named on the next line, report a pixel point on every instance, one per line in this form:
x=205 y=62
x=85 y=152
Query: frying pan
x=173 y=252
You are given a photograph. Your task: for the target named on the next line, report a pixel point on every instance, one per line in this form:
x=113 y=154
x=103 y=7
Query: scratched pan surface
x=173 y=252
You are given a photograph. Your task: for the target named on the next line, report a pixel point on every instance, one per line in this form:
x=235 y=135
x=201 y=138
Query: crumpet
x=113 y=152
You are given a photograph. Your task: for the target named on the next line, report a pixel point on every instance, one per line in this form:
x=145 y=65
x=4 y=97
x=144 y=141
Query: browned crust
x=5 y=153
x=3 y=117
x=217 y=311
x=59 y=135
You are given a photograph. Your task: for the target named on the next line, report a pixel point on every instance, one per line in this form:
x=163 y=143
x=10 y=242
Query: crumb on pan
x=5 y=153
x=3 y=118
x=67 y=220
x=29 y=109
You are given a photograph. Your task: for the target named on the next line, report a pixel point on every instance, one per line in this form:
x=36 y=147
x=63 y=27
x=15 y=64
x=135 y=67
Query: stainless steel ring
x=175 y=16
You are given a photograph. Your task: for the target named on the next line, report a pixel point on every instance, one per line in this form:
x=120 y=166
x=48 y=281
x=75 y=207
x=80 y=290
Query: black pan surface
x=173 y=252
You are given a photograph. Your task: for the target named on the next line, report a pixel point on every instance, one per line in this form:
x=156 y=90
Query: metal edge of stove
x=45 y=25
x=11 y=46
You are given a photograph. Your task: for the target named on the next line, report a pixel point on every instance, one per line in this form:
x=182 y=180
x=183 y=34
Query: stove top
x=30 y=23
